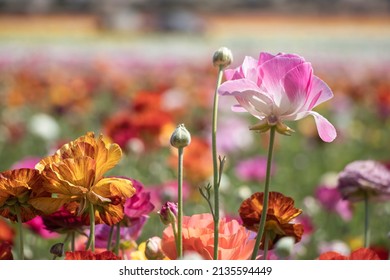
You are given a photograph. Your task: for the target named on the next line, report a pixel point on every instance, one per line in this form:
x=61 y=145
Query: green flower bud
x=180 y=137
x=223 y=57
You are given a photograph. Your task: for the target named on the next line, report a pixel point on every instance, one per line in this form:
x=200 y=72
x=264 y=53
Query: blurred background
x=134 y=69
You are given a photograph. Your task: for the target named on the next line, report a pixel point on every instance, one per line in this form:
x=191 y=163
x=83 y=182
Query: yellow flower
x=74 y=177
x=16 y=187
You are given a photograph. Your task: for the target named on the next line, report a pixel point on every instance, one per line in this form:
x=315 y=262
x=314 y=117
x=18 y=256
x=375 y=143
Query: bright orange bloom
x=198 y=236
x=6 y=231
x=16 y=188
x=74 y=177
x=280 y=212
x=88 y=255
x=359 y=254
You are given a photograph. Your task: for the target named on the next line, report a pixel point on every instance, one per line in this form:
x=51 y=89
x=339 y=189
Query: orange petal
x=112 y=186
x=48 y=205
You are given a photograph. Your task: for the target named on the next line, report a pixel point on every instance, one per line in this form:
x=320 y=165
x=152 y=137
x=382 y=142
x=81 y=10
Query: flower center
x=272 y=120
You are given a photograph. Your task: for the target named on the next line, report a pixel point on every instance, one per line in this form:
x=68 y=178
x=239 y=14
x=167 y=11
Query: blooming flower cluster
x=71 y=199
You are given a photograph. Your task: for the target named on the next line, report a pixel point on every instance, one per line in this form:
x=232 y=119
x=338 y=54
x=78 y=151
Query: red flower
x=88 y=255
x=359 y=254
x=5 y=251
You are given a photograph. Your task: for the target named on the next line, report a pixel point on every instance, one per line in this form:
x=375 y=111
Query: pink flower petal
x=272 y=72
x=248 y=96
x=325 y=129
x=319 y=92
x=296 y=85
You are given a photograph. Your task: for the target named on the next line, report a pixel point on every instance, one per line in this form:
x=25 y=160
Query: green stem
x=117 y=238
x=366 y=222
x=266 y=195
x=73 y=241
x=174 y=229
x=179 y=246
x=91 y=238
x=266 y=241
x=109 y=241
x=20 y=231
x=215 y=163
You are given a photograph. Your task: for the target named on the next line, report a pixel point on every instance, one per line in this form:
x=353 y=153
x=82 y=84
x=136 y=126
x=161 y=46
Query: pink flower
x=140 y=203
x=198 y=236
x=278 y=88
x=38 y=227
x=252 y=169
x=330 y=199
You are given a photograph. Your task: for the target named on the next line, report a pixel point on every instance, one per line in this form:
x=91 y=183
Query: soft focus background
x=134 y=69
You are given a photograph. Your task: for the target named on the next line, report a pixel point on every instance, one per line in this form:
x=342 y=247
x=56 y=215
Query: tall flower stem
x=266 y=195
x=366 y=222
x=179 y=244
x=91 y=238
x=109 y=241
x=215 y=162
x=117 y=238
x=20 y=231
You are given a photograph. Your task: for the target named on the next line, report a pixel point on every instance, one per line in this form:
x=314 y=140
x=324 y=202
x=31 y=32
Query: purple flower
x=168 y=213
x=330 y=198
x=252 y=169
x=364 y=178
x=130 y=230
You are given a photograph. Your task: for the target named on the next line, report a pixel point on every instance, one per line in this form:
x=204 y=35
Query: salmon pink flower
x=6 y=231
x=198 y=236
x=278 y=88
x=359 y=254
x=280 y=213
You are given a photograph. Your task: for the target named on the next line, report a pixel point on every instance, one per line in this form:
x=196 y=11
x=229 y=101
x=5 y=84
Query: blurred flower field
x=136 y=90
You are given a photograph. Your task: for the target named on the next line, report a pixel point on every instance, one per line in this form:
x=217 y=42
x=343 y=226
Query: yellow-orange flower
x=16 y=187
x=280 y=212
x=74 y=177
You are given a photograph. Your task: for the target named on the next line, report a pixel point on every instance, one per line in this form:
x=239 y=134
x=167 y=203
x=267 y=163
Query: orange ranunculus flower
x=6 y=231
x=198 y=236
x=359 y=254
x=88 y=255
x=280 y=212
x=16 y=188
x=74 y=177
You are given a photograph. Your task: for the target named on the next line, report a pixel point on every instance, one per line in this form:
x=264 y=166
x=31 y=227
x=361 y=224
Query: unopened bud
x=180 y=137
x=168 y=213
x=223 y=57
x=153 y=249
x=57 y=249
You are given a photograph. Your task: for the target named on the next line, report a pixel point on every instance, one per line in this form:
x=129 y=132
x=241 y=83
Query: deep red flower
x=359 y=254
x=89 y=255
x=5 y=251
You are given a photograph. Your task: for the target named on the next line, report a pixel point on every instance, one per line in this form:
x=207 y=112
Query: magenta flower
x=140 y=203
x=278 y=88
x=37 y=226
x=331 y=199
x=252 y=169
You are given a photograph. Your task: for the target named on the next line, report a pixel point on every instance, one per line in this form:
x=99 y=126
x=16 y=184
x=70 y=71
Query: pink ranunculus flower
x=278 y=88
x=198 y=236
